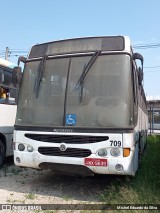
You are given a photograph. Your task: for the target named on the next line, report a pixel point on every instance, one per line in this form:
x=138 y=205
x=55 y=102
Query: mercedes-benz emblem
x=63 y=147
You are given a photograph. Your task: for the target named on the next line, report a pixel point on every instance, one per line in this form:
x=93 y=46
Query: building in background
x=153 y=104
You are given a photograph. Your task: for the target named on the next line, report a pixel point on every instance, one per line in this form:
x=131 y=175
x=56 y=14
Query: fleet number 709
x=116 y=143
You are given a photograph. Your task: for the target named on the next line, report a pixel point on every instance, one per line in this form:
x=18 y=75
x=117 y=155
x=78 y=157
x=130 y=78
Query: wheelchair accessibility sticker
x=71 y=119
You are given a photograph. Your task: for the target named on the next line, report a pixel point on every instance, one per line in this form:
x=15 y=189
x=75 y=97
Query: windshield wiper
x=38 y=79
x=85 y=71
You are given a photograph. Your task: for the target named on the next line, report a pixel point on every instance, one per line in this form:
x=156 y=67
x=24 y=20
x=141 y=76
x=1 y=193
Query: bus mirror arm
x=16 y=75
x=138 y=56
x=21 y=59
x=140 y=75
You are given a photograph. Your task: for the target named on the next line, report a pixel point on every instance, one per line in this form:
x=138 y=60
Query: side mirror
x=21 y=59
x=140 y=76
x=16 y=75
x=138 y=56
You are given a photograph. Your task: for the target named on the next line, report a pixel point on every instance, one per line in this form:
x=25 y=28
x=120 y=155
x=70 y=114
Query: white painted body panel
x=33 y=159
x=7 y=120
x=7 y=115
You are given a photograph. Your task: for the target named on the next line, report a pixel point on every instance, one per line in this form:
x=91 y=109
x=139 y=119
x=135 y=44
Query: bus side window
x=1 y=75
x=3 y=95
x=12 y=96
x=7 y=96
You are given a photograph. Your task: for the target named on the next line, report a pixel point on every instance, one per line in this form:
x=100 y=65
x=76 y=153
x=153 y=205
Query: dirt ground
x=29 y=186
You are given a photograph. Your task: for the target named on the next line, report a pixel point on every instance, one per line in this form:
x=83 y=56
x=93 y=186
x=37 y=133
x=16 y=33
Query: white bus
x=82 y=107
x=8 y=98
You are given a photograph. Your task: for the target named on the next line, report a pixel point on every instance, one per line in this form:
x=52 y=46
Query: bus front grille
x=70 y=139
x=69 y=152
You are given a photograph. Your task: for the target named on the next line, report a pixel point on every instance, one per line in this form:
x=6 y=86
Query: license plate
x=95 y=162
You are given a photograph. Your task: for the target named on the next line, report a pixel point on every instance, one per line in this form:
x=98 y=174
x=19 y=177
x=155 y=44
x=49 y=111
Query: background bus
x=8 y=99
x=82 y=107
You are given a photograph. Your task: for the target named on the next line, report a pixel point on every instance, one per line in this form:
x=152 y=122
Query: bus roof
x=84 y=44
x=6 y=63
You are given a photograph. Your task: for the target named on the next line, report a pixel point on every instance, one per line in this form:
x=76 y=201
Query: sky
x=26 y=23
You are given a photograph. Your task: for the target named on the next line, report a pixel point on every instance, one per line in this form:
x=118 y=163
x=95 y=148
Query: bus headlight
x=102 y=152
x=115 y=152
x=29 y=148
x=21 y=147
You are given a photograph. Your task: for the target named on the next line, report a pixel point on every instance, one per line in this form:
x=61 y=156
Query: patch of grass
x=66 y=197
x=144 y=188
x=15 y=171
x=30 y=196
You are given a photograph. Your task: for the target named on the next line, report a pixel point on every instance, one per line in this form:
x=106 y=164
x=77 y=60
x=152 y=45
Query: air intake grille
x=69 y=139
x=70 y=152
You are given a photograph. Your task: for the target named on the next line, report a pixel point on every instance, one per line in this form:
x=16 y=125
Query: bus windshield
x=104 y=99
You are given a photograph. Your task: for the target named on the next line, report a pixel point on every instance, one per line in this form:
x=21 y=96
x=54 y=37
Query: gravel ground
x=29 y=186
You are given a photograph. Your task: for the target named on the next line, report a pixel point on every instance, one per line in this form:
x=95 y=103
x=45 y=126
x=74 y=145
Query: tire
x=2 y=153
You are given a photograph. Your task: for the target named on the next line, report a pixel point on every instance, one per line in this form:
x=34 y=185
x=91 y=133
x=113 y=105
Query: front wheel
x=2 y=153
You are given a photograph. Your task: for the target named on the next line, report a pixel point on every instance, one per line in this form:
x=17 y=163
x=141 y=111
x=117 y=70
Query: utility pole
x=6 y=53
